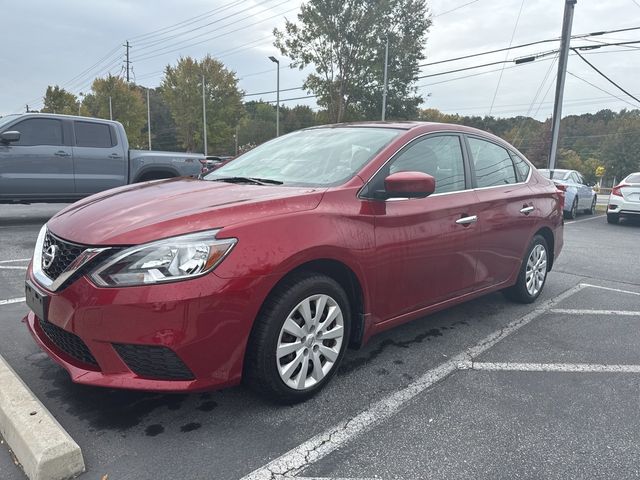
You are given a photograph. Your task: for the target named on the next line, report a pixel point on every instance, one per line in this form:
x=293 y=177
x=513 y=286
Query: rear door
x=506 y=211
x=99 y=158
x=40 y=164
x=422 y=252
x=585 y=195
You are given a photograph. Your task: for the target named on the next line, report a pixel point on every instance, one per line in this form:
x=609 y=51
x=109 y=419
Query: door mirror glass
x=10 y=136
x=409 y=185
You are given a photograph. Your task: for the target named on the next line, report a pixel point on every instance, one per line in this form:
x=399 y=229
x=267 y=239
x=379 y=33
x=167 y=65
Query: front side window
x=492 y=164
x=90 y=134
x=39 y=131
x=439 y=156
x=318 y=157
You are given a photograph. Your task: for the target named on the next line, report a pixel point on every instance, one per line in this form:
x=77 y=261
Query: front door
x=422 y=250
x=40 y=164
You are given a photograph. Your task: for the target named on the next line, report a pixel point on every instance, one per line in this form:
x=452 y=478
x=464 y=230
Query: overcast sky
x=59 y=42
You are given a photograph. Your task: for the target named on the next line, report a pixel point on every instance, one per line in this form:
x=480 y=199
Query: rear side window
x=90 y=134
x=39 y=131
x=492 y=164
x=438 y=156
x=633 y=178
x=522 y=167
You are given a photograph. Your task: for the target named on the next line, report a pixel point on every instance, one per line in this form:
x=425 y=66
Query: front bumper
x=183 y=336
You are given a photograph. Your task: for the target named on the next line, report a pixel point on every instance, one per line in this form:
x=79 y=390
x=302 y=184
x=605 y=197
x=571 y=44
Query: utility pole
x=27 y=108
x=562 y=73
x=236 y=138
x=110 y=109
x=277 y=62
x=384 y=88
x=204 y=117
x=127 y=60
x=149 y=119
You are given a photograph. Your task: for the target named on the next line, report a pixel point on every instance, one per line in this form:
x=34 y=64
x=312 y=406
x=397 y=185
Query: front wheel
x=533 y=273
x=299 y=338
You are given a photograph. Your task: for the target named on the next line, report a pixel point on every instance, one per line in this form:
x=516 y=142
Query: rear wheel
x=533 y=273
x=613 y=218
x=299 y=338
x=592 y=210
x=573 y=213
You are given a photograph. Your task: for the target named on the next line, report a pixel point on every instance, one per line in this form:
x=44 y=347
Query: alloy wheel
x=309 y=342
x=536 y=269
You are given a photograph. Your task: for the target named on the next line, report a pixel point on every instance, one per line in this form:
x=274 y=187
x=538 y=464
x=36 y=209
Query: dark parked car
x=269 y=268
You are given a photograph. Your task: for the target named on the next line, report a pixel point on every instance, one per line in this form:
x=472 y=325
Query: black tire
x=592 y=210
x=518 y=292
x=613 y=218
x=573 y=213
x=260 y=370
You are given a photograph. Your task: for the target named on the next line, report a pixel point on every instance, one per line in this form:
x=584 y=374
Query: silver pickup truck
x=61 y=158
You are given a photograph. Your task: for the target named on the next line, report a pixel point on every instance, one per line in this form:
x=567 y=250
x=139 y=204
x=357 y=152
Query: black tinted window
x=89 y=134
x=492 y=163
x=39 y=131
x=440 y=157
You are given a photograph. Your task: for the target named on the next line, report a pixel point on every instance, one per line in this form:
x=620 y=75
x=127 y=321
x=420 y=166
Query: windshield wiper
x=253 y=180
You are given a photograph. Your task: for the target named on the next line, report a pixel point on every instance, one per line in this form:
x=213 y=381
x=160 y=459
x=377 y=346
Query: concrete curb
x=41 y=445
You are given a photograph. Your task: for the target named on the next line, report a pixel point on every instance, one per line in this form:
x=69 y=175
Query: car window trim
x=468 y=186
x=473 y=170
x=58 y=120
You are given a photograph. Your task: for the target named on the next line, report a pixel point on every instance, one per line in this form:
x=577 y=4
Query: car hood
x=150 y=211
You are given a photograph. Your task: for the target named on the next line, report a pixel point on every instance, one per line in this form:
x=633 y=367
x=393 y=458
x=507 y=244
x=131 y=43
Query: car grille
x=153 y=361
x=66 y=253
x=69 y=343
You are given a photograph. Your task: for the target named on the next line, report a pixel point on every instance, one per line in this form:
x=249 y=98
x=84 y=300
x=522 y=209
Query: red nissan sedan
x=270 y=267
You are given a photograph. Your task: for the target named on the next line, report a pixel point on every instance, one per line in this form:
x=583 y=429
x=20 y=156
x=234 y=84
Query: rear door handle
x=527 y=210
x=467 y=220
x=62 y=153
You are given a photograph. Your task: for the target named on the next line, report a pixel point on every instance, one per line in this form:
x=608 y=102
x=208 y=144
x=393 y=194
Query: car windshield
x=557 y=174
x=318 y=157
x=7 y=119
x=633 y=178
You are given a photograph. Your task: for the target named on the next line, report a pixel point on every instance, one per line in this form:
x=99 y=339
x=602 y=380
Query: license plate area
x=37 y=300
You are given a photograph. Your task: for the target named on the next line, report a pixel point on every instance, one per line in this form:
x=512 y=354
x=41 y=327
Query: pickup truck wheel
x=299 y=338
x=533 y=273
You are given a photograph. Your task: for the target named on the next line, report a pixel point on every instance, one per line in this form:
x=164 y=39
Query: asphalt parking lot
x=488 y=389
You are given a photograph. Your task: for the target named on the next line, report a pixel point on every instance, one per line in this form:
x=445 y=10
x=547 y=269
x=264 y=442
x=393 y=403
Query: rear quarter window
x=522 y=167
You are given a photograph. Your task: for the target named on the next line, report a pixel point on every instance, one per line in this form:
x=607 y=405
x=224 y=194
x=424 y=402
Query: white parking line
x=576 y=311
x=553 y=367
x=611 y=289
x=301 y=457
x=13 y=267
x=12 y=300
x=584 y=220
x=16 y=260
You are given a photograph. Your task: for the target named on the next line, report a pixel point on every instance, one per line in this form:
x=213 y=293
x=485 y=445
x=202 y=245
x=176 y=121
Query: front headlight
x=167 y=260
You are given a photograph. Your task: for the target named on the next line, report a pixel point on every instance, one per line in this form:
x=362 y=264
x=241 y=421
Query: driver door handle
x=62 y=153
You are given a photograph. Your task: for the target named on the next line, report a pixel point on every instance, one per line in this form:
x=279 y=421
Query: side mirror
x=10 y=136
x=409 y=185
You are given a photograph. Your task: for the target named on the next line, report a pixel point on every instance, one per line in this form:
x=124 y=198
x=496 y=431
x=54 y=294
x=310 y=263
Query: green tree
x=345 y=41
x=127 y=106
x=59 y=100
x=182 y=91
x=621 y=150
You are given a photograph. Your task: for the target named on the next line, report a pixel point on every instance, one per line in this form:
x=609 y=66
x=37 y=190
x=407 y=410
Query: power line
x=513 y=34
x=456 y=8
x=601 y=89
x=603 y=75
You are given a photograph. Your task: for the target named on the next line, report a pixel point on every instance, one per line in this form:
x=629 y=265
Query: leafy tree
x=181 y=89
x=621 y=151
x=345 y=41
x=127 y=106
x=59 y=100
x=163 y=128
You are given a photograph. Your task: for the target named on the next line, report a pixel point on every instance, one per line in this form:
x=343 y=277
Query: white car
x=624 y=200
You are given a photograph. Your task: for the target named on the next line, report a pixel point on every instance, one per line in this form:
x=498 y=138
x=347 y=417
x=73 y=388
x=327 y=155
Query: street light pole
x=277 y=62
x=562 y=73
x=149 y=119
x=204 y=117
x=384 y=88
